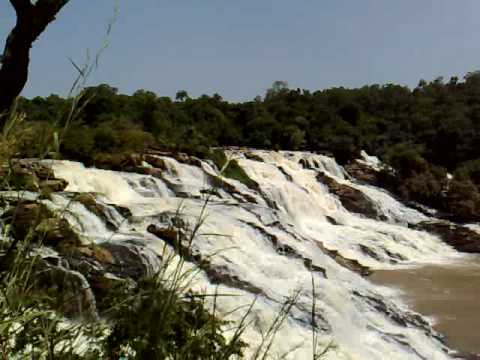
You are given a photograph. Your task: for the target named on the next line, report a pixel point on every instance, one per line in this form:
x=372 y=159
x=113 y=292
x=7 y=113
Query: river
x=448 y=294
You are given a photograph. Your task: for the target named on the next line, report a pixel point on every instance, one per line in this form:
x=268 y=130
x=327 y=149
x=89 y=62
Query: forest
x=425 y=134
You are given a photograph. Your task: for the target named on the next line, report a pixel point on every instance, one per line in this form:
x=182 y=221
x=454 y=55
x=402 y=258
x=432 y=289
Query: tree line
x=424 y=133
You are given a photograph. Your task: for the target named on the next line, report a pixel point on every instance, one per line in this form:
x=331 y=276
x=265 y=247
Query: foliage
x=423 y=132
x=230 y=168
x=154 y=322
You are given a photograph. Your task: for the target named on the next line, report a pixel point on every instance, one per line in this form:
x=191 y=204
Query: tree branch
x=21 y=6
x=32 y=20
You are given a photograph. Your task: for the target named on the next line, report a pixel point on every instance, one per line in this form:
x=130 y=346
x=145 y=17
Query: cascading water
x=267 y=241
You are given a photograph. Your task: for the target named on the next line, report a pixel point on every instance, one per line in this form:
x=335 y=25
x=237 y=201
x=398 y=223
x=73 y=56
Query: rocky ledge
x=352 y=199
x=30 y=175
x=363 y=172
x=77 y=275
x=460 y=237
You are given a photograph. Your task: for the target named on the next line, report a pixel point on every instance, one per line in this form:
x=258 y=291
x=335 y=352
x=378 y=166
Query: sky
x=239 y=48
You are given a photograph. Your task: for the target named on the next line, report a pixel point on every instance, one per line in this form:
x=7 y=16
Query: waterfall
x=270 y=242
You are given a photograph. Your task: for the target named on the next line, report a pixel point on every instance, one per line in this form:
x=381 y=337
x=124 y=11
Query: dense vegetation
x=423 y=133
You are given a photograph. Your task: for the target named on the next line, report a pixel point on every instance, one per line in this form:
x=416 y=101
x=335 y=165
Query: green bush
x=231 y=168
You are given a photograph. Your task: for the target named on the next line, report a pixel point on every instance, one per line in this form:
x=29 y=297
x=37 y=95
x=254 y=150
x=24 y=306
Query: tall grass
x=156 y=318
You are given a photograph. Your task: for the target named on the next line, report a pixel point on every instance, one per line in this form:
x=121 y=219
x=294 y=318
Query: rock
x=53 y=185
x=100 y=210
x=467 y=356
x=187 y=159
x=108 y=266
x=252 y=156
x=174 y=237
x=156 y=162
x=305 y=164
x=352 y=199
x=68 y=289
x=33 y=221
x=402 y=318
x=286 y=174
x=130 y=260
x=331 y=220
x=222 y=275
x=158 y=173
x=58 y=233
x=119 y=162
x=362 y=172
x=350 y=264
x=31 y=175
x=168 y=234
x=460 y=237
x=19 y=179
x=369 y=252
x=124 y=211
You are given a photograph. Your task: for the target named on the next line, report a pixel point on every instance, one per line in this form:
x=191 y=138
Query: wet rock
x=175 y=237
x=284 y=172
x=350 y=264
x=352 y=199
x=156 y=162
x=252 y=156
x=331 y=220
x=157 y=173
x=33 y=221
x=180 y=157
x=400 y=317
x=31 y=175
x=130 y=260
x=222 y=275
x=110 y=266
x=287 y=250
x=369 y=252
x=53 y=185
x=100 y=210
x=305 y=164
x=119 y=162
x=363 y=172
x=58 y=233
x=187 y=159
x=124 y=211
x=68 y=290
x=168 y=234
x=315 y=268
x=460 y=237
x=466 y=356
x=217 y=182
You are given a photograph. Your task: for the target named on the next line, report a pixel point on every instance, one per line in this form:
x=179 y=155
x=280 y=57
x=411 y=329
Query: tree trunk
x=32 y=20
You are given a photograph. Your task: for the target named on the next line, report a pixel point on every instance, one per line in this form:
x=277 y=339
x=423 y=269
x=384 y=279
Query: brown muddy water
x=450 y=294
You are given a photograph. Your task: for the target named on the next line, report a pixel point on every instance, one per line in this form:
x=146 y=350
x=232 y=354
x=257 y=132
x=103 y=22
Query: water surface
x=450 y=294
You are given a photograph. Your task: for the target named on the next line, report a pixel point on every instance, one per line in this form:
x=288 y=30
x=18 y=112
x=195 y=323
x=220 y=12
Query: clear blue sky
x=238 y=48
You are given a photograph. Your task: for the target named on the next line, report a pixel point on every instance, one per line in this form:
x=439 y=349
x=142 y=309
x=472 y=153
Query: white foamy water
x=260 y=237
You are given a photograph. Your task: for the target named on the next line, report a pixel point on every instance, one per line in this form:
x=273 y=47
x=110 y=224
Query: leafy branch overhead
x=32 y=20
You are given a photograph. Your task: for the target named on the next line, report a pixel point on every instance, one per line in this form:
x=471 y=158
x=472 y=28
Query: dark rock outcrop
x=179 y=156
x=107 y=266
x=350 y=264
x=156 y=161
x=30 y=175
x=362 y=172
x=100 y=210
x=253 y=156
x=68 y=289
x=460 y=237
x=34 y=221
x=352 y=199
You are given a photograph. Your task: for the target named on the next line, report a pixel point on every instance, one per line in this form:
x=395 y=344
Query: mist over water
x=264 y=237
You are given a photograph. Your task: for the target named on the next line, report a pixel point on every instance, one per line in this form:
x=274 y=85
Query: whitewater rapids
x=354 y=319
